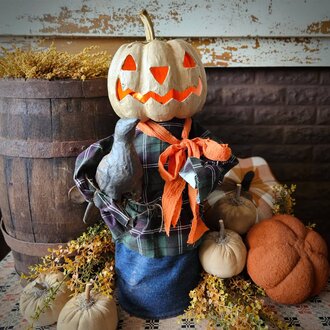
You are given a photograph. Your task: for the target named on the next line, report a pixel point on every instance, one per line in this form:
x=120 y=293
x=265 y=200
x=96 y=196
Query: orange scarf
x=176 y=157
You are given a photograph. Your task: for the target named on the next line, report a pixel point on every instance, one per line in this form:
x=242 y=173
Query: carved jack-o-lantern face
x=156 y=80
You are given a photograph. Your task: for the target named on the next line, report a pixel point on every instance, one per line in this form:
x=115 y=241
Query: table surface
x=312 y=315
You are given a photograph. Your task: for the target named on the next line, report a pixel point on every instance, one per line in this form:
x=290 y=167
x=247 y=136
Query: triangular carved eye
x=159 y=73
x=129 y=63
x=188 y=61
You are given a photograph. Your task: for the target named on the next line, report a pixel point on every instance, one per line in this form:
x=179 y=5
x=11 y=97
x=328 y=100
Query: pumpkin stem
x=40 y=286
x=222 y=232
x=148 y=26
x=88 y=292
x=238 y=190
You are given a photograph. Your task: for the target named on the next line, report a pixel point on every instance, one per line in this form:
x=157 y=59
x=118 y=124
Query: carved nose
x=159 y=73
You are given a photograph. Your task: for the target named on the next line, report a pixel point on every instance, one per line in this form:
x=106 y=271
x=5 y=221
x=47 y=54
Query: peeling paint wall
x=210 y=18
x=226 y=33
x=235 y=52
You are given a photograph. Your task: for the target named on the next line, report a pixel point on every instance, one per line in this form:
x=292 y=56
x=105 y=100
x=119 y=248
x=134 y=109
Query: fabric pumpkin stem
x=222 y=231
x=238 y=190
x=40 y=286
x=148 y=26
x=88 y=292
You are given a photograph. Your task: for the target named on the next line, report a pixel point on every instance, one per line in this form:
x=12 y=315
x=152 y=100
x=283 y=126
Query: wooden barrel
x=44 y=125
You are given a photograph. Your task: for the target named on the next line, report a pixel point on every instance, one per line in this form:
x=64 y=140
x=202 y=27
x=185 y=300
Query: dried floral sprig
x=88 y=258
x=233 y=303
x=47 y=301
x=311 y=225
x=52 y=64
x=283 y=202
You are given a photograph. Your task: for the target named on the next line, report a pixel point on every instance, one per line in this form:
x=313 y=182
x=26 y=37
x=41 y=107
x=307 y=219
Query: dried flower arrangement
x=234 y=303
x=52 y=64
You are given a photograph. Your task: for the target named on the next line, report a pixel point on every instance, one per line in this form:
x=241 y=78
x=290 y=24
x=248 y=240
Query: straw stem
x=148 y=26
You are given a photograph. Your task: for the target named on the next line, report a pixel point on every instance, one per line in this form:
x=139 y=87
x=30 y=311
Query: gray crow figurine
x=120 y=172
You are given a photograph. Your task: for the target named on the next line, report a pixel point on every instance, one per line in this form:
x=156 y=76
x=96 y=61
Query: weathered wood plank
x=19 y=199
x=215 y=52
x=251 y=52
x=4 y=201
x=63 y=180
x=71 y=122
x=41 y=196
x=55 y=219
x=101 y=116
x=193 y=18
x=38 y=120
x=41 y=89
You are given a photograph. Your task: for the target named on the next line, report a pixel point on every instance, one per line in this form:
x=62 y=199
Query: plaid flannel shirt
x=139 y=225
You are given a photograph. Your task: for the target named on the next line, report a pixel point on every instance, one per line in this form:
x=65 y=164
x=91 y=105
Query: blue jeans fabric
x=155 y=288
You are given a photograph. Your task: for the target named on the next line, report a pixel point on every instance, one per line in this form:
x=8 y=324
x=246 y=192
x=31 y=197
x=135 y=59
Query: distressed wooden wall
x=236 y=33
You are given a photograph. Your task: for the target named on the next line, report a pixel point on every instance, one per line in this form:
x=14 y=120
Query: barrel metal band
x=28 y=248
x=33 y=149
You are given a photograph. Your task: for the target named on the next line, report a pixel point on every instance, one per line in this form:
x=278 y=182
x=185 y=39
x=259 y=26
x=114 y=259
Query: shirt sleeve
x=205 y=174
x=86 y=166
x=84 y=176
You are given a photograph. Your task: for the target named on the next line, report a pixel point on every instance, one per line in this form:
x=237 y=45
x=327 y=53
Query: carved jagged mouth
x=172 y=94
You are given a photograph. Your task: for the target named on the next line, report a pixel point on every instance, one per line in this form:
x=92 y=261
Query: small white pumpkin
x=238 y=212
x=88 y=311
x=34 y=294
x=223 y=254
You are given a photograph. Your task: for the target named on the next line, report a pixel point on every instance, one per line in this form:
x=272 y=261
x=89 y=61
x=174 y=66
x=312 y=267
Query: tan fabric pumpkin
x=261 y=186
x=238 y=212
x=33 y=296
x=223 y=254
x=88 y=311
x=156 y=79
x=287 y=259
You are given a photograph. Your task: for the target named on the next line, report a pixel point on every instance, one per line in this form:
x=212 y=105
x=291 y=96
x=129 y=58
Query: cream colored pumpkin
x=34 y=294
x=238 y=212
x=223 y=254
x=88 y=311
x=156 y=79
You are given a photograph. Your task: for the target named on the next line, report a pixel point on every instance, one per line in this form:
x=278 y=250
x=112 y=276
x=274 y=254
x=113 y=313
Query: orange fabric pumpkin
x=287 y=259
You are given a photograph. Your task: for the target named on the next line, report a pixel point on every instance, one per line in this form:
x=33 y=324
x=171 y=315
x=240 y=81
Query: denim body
x=155 y=288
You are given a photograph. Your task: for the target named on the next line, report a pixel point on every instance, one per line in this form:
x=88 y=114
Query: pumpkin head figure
x=155 y=79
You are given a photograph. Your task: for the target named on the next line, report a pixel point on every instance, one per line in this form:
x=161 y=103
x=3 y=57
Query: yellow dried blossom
x=52 y=64
x=283 y=202
x=234 y=303
x=88 y=258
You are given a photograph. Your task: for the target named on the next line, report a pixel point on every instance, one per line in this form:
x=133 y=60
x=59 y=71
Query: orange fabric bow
x=175 y=155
